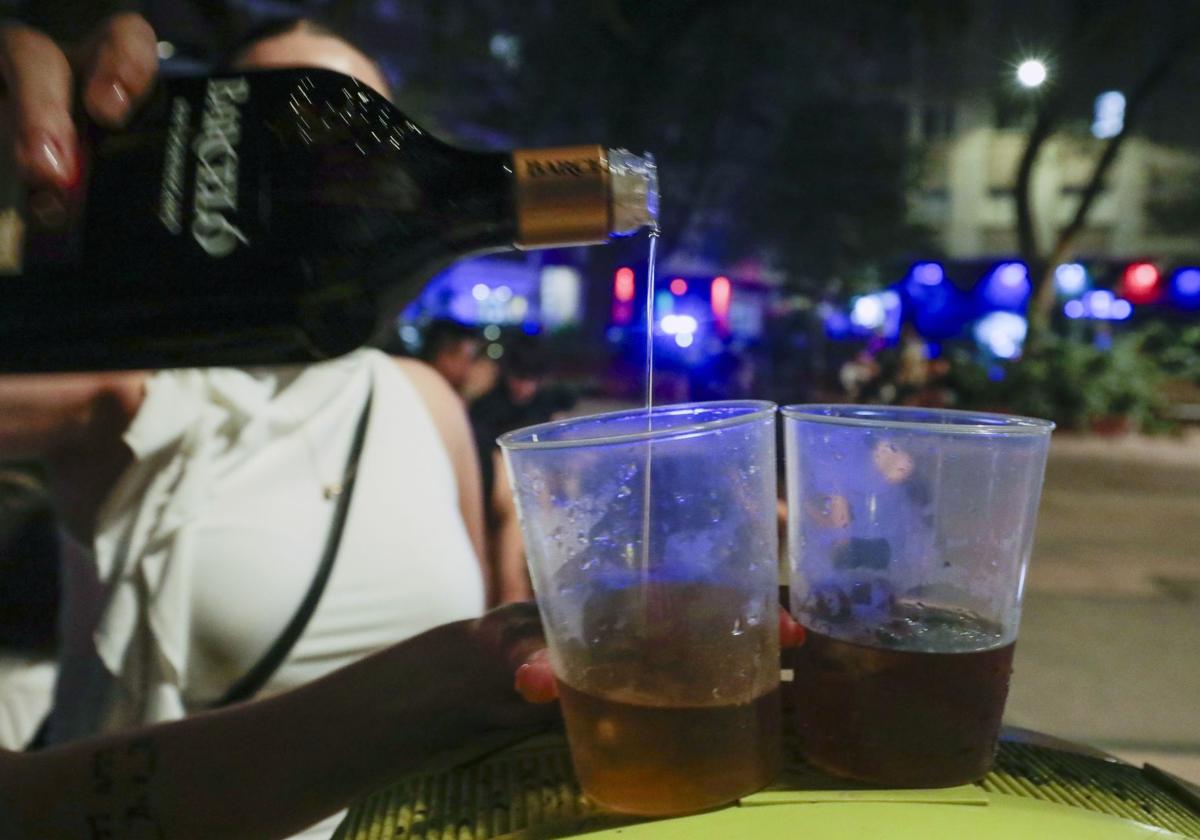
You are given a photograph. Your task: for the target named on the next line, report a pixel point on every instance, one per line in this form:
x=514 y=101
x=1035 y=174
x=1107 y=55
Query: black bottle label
x=178 y=188
x=256 y=218
x=216 y=156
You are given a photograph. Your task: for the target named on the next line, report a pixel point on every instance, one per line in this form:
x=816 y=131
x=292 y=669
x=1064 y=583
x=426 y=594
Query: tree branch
x=1095 y=29
x=1134 y=102
x=1043 y=126
x=1043 y=301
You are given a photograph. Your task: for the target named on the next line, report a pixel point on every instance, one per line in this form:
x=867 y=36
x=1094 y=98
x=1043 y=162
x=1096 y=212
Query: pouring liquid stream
x=647 y=468
x=650 y=261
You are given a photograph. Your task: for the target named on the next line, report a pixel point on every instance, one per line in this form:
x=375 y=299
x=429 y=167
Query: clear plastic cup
x=653 y=547
x=909 y=534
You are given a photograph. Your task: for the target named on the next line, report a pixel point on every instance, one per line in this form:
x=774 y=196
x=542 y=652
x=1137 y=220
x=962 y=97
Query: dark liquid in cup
x=899 y=717
x=660 y=760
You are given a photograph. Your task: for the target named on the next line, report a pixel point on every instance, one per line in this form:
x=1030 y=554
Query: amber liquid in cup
x=901 y=718
x=659 y=760
x=909 y=537
x=652 y=544
x=675 y=714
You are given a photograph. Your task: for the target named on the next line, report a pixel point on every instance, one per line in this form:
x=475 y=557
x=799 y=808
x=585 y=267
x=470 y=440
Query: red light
x=678 y=286
x=1140 y=283
x=720 y=294
x=623 y=285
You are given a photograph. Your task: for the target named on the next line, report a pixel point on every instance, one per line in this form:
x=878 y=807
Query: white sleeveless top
x=210 y=540
x=26 y=686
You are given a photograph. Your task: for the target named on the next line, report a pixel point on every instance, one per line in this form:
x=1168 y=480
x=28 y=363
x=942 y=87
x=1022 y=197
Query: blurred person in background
x=520 y=397
x=452 y=349
x=858 y=375
x=481 y=379
x=197 y=504
x=728 y=375
x=913 y=368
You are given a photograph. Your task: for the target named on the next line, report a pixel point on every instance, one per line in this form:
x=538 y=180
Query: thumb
x=121 y=63
x=534 y=679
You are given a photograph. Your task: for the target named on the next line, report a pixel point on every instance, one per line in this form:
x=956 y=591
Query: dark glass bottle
x=279 y=216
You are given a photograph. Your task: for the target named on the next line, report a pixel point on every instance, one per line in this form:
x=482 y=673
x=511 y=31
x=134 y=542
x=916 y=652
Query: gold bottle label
x=562 y=196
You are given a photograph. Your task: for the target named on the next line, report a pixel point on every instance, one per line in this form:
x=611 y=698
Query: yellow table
x=526 y=790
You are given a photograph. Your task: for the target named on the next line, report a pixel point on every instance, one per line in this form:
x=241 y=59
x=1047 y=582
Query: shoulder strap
x=253 y=680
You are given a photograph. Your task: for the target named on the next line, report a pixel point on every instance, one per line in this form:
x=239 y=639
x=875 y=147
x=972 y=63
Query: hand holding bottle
x=117 y=65
x=255 y=216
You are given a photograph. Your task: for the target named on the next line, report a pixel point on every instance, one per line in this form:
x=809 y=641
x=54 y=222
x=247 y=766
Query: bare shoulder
x=433 y=388
x=431 y=384
x=449 y=414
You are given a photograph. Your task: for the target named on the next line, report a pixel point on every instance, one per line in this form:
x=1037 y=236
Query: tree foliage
x=1075 y=383
x=776 y=128
x=1097 y=29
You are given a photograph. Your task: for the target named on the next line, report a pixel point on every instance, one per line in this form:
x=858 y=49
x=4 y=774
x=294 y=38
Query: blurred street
x=1109 y=648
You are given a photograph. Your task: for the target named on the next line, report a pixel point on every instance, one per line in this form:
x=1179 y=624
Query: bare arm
x=74 y=423
x=506 y=545
x=269 y=767
x=43 y=414
x=450 y=417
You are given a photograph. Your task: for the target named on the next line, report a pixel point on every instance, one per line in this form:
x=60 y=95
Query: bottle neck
x=544 y=198
x=562 y=196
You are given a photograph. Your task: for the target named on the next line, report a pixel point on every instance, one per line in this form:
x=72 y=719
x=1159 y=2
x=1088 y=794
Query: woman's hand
x=116 y=66
x=473 y=667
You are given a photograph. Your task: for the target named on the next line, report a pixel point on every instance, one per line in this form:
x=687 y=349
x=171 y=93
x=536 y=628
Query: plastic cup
x=652 y=544
x=909 y=534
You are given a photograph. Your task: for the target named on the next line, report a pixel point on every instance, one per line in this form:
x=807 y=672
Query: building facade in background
x=965 y=194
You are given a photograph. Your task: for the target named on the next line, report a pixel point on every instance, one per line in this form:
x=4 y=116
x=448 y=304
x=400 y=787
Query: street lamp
x=1031 y=73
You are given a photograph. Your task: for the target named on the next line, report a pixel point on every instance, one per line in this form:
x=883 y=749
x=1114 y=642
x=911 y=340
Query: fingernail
x=45 y=160
x=109 y=102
